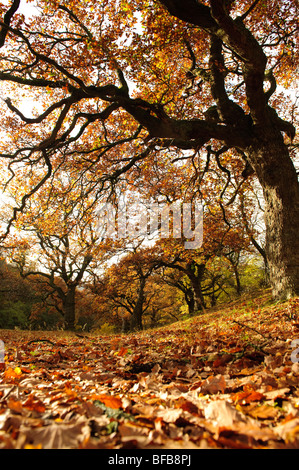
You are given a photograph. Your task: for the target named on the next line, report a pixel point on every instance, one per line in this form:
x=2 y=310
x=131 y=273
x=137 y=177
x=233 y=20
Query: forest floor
x=227 y=379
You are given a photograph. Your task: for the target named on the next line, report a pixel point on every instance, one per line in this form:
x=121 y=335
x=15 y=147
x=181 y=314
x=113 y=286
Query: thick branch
x=7 y=19
x=229 y=112
x=193 y=133
x=233 y=33
x=192 y=12
x=34 y=82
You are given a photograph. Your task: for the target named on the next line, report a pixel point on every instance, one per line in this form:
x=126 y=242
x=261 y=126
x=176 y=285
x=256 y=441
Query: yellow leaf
x=32 y=446
x=18 y=371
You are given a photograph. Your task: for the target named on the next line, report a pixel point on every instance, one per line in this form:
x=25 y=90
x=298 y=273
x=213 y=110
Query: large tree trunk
x=190 y=300
x=277 y=176
x=69 y=309
x=195 y=273
x=136 y=319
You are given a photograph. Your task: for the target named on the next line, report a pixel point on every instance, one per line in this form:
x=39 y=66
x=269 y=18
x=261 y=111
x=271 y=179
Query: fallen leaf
x=188 y=406
x=213 y=384
x=122 y=351
x=169 y=415
x=247 y=397
x=34 y=404
x=131 y=431
x=288 y=431
x=223 y=413
x=11 y=375
x=261 y=411
x=222 y=360
x=108 y=400
x=280 y=393
x=55 y=436
x=15 y=405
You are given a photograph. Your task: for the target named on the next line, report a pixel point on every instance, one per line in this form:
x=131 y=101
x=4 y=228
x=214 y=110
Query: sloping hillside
x=225 y=379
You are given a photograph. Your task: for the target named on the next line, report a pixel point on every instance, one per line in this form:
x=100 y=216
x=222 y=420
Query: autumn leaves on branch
x=117 y=87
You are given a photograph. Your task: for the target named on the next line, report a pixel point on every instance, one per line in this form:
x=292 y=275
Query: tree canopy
x=98 y=97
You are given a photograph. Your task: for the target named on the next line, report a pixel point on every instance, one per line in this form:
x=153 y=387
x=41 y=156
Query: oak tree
x=115 y=84
x=124 y=286
x=58 y=251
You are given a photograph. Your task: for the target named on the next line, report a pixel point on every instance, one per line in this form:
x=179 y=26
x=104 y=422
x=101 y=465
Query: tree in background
x=60 y=249
x=124 y=286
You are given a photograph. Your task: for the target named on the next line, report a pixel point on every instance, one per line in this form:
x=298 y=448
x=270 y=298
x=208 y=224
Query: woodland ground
x=224 y=379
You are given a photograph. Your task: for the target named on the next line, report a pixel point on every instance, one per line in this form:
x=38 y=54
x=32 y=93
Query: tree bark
x=136 y=319
x=195 y=273
x=69 y=308
x=190 y=300
x=125 y=327
x=278 y=178
x=234 y=264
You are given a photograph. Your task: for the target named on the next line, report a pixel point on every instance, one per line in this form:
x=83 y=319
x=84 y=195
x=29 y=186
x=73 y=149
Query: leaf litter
x=224 y=379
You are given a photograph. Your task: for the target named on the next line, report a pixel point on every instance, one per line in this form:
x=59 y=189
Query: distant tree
x=124 y=286
x=59 y=252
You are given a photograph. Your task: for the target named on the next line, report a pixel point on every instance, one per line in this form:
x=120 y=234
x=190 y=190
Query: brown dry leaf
x=15 y=405
x=225 y=417
x=223 y=413
x=109 y=400
x=188 y=406
x=247 y=397
x=34 y=404
x=144 y=410
x=280 y=393
x=9 y=420
x=55 y=436
x=288 y=431
x=130 y=431
x=170 y=415
x=248 y=371
x=249 y=432
x=90 y=410
x=261 y=411
x=213 y=384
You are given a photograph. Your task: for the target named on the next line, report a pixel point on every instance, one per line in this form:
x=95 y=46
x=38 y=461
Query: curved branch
x=183 y=133
x=271 y=79
x=27 y=196
x=75 y=19
x=39 y=118
x=34 y=82
x=233 y=33
x=7 y=19
x=229 y=112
